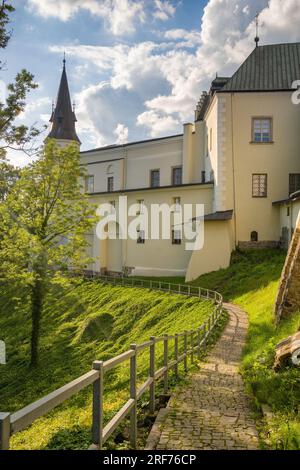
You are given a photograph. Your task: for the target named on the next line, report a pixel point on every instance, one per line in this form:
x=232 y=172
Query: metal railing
x=187 y=343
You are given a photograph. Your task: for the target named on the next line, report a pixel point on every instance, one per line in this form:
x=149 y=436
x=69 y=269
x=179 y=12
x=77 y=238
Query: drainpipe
x=233 y=175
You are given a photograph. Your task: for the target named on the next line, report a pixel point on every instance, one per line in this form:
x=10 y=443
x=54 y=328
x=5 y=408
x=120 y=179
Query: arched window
x=110 y=170
x=254 y=236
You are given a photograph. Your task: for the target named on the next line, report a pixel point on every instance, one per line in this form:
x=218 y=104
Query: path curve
x=212 y=411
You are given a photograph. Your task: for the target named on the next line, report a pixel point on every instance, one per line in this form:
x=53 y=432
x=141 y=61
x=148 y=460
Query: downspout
x=124 y=244
x=233 y=175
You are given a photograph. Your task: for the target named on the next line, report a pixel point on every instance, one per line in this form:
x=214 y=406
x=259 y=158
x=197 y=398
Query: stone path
x=212 y=410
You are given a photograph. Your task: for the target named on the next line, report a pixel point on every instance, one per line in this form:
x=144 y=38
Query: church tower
x=63 y=118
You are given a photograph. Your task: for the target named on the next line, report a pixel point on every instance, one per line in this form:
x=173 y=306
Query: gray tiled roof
x=273 y=67
x=216 y=216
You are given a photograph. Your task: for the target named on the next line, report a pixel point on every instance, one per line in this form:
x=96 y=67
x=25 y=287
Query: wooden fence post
x=192 y=346
x=98 y=406
x=185 y=351
x=4 y=431
x=152 y=374
x=166 y=339
x=204 y=335
x=133 y=413
x=199 y=343
x=176 y=355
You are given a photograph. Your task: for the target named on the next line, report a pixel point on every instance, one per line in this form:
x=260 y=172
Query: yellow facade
x=220 y=164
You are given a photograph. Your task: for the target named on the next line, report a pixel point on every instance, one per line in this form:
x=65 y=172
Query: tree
x=13 y=136
x=8 y=176
x=43 y=225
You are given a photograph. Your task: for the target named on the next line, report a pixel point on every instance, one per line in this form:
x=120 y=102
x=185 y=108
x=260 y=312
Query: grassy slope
x=82 y=322
x=252 y=281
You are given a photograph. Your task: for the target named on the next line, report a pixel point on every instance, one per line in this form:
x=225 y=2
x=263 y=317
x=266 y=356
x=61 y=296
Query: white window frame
x=262 y=130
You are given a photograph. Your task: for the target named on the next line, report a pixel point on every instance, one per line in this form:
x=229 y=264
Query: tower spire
x=63 y=118
x=256 y=39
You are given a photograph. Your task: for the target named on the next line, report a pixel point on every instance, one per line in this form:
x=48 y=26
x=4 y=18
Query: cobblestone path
x=212 y=410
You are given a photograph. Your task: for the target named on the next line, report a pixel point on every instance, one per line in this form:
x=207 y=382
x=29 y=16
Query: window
x=89 y=184
x=155 y=178
x=294 y=182
x=176 y=176
x=141 y=237
x=262 y=130
x=176 y=237
x=288 y=211
x=202 y=176
x=110 y=184
x=141 y=204
x=254 y=236
x=259 y=185
x=177 y=204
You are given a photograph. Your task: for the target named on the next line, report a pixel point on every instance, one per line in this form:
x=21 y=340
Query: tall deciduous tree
x=44 y=221
x=12 y=135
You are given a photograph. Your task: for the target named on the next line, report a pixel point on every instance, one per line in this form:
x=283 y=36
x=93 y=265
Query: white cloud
x=184 y=38
x=158 y=124
x=121 y=132
x=163 y=10
x=38 y=104
x=121 y=16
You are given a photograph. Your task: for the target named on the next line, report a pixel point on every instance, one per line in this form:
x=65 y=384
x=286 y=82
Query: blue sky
x=136 y=68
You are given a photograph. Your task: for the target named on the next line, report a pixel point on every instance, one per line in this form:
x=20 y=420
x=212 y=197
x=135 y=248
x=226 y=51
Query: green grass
x=82 y=321
x=124 y=315
x=252 y=282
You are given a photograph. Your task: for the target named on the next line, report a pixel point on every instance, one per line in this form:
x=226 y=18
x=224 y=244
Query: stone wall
x=258 y=245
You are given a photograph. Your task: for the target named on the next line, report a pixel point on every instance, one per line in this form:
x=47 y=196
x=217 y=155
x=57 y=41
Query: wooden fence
x=185 y=344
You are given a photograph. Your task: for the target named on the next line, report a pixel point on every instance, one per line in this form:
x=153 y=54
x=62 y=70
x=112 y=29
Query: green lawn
x=82 y=321
x=252 y=282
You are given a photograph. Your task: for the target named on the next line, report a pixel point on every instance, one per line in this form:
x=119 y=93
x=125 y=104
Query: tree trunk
x=37 y=297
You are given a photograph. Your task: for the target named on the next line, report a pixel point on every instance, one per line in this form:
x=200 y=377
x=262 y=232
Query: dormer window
x=262 y=130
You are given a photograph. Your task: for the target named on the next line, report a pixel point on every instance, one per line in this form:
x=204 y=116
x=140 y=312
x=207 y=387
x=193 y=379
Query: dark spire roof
x=63 y=117
x=268 y=68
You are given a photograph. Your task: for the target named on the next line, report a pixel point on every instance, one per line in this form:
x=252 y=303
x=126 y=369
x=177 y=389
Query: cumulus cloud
x=158 y=124
x=39 y=104
x=153 y=87
x=163 y=10
x=121 y=133
x=121 y=16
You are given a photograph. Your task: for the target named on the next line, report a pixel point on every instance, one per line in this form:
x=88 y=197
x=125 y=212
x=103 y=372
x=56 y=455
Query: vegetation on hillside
x=82 y=321
x=43 y=226
x=252 y=282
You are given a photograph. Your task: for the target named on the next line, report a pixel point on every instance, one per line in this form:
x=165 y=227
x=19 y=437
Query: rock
x=288 y=352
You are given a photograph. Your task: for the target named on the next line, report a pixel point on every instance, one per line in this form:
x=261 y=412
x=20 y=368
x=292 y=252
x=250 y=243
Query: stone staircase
x=288 y=298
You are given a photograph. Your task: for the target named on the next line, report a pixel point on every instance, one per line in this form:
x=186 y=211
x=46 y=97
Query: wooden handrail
x=11 y=423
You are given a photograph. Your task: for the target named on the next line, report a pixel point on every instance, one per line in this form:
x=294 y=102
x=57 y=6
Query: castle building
x=240 y=158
